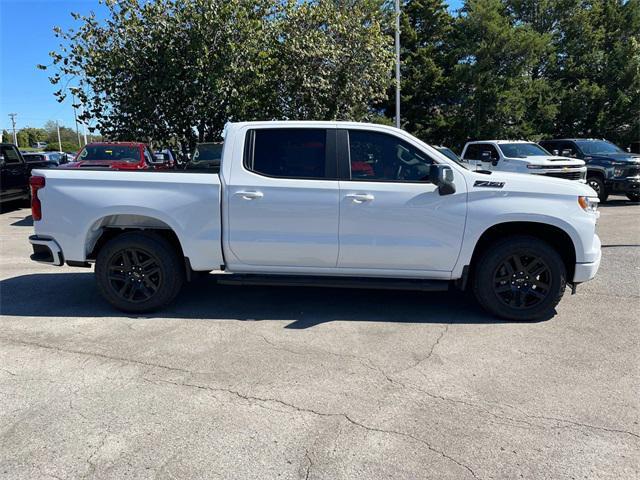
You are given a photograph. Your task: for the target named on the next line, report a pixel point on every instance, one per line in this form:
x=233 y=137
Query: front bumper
x=586 y=271
x=625 y=185
x=46 y=250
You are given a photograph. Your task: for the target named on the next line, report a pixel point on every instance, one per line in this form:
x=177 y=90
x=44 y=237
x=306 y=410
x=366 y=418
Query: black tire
x=598 y=185
x=524 y=291
x=634 y=197
x=139 y=272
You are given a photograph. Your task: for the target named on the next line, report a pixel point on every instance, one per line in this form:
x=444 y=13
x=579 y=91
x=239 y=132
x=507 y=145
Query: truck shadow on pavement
x=76 y=295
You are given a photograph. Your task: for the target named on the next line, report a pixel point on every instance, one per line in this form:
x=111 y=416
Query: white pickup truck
x=521 y=157
x=322 y=203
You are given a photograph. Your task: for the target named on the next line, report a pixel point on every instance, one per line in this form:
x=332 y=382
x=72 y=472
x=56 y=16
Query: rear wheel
x=520 y=278
x=139 y=272
x=598 y=185
x=634 y=197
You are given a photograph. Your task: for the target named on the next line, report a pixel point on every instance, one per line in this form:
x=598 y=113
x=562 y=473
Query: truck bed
x=78 y=201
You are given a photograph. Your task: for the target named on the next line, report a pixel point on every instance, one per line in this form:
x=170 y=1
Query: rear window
x=287 y=152
x=30 y=158
x=206 y=155
x=117 y=153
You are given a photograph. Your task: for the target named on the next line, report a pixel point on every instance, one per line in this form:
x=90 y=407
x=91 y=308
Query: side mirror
x=442 y=177
x=485 y=156
x=556 y=152
x=628 y=149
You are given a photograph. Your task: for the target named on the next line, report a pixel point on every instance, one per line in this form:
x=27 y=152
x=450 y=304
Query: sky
x=26 y=38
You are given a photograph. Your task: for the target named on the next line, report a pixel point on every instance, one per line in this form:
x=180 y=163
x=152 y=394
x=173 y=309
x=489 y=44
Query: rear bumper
x=46 y=250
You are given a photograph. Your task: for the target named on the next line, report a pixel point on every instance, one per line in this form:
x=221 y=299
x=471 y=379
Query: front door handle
x=360 y=197
x=249 y=194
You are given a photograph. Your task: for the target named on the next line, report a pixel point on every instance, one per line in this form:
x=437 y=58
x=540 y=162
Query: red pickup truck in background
x=118 y=156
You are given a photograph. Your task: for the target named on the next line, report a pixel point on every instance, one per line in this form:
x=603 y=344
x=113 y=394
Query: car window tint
x=9 y=154
x=289 y=153
x=472 y=152
x=378 y=156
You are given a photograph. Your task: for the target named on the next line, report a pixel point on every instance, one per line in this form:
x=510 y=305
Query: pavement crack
x=96 y=355
x=307 y=472
x=429 y=354
x=253 y=398
x=572 y=423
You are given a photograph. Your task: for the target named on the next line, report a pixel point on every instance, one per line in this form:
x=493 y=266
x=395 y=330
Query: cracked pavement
x=310 y=383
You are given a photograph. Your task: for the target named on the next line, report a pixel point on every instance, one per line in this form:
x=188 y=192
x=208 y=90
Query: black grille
x=566 y=175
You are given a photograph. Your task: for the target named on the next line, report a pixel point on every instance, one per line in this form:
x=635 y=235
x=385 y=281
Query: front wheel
x=520 y=278
x=634 y=197
x=139 y=272
x=598 y=185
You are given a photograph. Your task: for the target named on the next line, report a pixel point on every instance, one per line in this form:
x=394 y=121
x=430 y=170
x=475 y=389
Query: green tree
x=426 y=37
x=179 y=69
x=7 y=137
x=598 y=66
x=500 y=91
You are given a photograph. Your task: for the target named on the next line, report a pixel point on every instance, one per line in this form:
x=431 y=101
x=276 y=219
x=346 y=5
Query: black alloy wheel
x=139 y=271
x=519 y=278
x=135 y=274
x=522 y=281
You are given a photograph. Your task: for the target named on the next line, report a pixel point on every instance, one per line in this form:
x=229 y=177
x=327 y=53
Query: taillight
x=36 y=184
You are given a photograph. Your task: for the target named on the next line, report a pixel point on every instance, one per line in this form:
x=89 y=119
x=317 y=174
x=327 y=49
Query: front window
x=380 y=157
x=594 y=147
x=110 y=153
x=522 y=150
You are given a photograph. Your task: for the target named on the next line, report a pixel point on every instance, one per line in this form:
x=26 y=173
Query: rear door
x=283 y=200
x=392 y=217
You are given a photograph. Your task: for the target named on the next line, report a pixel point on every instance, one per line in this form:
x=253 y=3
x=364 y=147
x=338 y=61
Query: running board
x=334 y=282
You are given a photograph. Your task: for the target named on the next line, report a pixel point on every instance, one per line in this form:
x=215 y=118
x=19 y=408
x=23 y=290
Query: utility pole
x=13 y=122
x=59 y=142
x=397 y=63
x=75 y=117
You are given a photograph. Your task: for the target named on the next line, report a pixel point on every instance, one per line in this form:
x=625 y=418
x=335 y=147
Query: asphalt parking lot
x=261 y=383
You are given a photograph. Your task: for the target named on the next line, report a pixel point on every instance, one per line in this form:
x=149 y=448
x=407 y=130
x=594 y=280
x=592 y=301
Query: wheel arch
x=555 y=236
x=111 y=226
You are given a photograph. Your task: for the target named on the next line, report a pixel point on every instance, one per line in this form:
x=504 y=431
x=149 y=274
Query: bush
x=66 y=147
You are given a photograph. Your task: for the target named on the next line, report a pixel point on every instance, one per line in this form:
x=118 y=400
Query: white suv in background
x=521 y=157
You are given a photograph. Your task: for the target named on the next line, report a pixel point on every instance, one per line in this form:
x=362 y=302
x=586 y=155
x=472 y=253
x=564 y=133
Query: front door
x=391 y=216
x=283 y=200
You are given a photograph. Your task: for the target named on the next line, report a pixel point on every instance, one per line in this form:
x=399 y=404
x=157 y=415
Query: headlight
x=618 y=171
x=588 y=204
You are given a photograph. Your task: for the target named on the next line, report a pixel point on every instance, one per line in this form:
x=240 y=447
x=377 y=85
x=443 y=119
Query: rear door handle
x=360 y=197
x=249 y=195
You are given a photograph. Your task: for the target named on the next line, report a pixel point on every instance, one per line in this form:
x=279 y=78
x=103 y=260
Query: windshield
x=447 y=152
x=522 y=150
x=206 y=155
x=111 y=153
x=592 y=147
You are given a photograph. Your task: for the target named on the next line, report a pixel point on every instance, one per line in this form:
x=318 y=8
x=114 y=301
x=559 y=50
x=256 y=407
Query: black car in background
x=634 y=147
x=609 y=168
x=15 y=173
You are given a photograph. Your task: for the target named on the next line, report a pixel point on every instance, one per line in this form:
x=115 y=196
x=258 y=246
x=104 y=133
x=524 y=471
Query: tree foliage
x=180 y=69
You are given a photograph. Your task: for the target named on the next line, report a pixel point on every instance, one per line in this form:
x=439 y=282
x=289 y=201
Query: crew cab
x=521 y=157
x=322 y=203
x=609 y=168
x=118 y=156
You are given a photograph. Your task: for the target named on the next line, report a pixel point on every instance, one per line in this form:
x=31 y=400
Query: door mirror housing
x=442 y=177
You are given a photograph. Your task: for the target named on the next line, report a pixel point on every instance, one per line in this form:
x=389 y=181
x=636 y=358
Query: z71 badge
x=487 y=184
